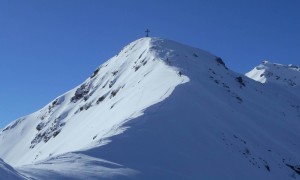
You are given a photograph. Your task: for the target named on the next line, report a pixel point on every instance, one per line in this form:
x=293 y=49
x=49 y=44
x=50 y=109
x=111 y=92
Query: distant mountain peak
x=268 y=72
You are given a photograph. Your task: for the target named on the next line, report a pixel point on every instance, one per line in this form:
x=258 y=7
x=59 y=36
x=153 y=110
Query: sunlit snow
x=163 y=110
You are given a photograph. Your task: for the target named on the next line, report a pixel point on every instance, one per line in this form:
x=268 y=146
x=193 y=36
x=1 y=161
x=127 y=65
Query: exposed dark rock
x=95 y=137
x=62 y=124
x=56 y=133
x=114 y=92
x=136 y=68
x=114 y=72
x=240 y=80
x=195 y=55
x=80 y=93
x=111 y=83
x=239 y=98
x=84 y=107
x=144 y=63
x=100 y=99
x=295 y=168
x=220 y=61
x=40 y=126
x=267 y=167
x=95 y=73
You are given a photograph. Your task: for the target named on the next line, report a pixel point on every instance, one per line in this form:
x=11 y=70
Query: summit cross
x=147 y=32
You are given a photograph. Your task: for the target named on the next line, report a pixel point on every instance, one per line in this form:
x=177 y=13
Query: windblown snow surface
x=7 y=172
x=162 y=110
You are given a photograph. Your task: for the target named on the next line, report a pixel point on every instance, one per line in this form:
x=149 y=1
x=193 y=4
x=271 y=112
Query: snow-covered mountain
x=162 y=110
x=268 y=72
x=88 y=115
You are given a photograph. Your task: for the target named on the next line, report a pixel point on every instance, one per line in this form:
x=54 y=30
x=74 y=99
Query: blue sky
x=48 y=47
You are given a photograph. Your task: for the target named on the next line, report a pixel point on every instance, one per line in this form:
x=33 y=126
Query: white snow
x=9 y=173
x=162 y=110
x=276 y=73
x=81 y=122
x=76 y=166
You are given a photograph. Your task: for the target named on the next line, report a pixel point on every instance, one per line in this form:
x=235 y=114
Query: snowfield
x=163 y=110
x=9 y=173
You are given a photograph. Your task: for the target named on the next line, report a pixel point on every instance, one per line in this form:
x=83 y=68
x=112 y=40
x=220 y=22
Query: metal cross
x=147 y=32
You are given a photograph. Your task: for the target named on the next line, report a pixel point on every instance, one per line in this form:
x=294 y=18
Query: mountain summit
x=161 y=110
x=268 y=72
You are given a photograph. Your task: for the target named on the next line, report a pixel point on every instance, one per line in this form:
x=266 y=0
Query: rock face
x=163 y=110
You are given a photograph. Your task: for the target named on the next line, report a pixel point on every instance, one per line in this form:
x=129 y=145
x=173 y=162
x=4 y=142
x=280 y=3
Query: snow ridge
x=163 y=110
x=117 y=91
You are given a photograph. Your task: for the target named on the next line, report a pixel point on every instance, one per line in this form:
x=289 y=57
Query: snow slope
x=9 y=173
x=76 y=166
x=161 y=110
x=86 y=116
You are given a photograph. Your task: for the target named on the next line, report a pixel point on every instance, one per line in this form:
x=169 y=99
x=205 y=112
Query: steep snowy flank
x=268 y=72
x=9 y=173
x=162 y=110
x=88 y=115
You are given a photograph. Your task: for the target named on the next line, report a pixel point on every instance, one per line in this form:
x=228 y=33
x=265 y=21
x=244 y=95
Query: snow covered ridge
x=268 y=72
x=161 y=110
x=117 y=91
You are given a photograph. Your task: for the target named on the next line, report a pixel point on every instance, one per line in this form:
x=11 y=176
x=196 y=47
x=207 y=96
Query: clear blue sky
x=48 y=47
